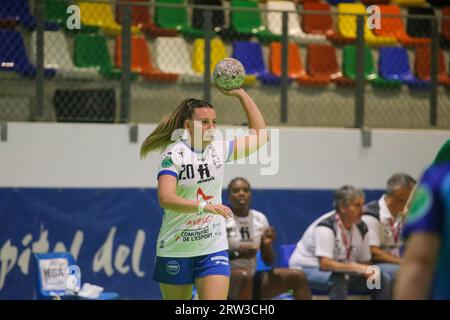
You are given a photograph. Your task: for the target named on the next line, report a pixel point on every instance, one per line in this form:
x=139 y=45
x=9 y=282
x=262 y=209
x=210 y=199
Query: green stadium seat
x=57 y=56
x=175 y=19
x=91 y=50
x=370 y=74
x=140 y=18
x=249 y=22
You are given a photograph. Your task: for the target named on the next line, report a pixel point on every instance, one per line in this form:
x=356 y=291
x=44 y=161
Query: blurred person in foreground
x=425 y=272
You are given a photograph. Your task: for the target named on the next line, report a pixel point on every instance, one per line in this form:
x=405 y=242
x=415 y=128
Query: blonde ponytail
x=161 y=137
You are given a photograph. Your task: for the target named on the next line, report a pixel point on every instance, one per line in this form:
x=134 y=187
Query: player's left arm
x=416 y=272
x=259 y=136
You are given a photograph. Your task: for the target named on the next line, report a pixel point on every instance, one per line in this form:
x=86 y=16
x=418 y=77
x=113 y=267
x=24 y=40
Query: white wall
x=100 y=155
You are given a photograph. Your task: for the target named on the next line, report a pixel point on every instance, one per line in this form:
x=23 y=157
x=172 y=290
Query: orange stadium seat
x=394 y=27
x=141 y=60
x=295 y=68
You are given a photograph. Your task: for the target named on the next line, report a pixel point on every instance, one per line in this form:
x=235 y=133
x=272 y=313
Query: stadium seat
x=422 y=65
x=249 y=22
x=295 y=68
x=13 y=55
x=140 y=18
x=218 y=52
x=182 y=65
x=321 y=24
x=57 y=264
x=19 y=10
x=218 y=16
x=91 y=50
x=419 y=27
x=347 y=25
x=250 y=54
x=56 y=11
x=175 y=19
x=408 y=3
x=349 y=68
x=101 y=15
x=318 y=24
x=321 y=66
x=393 y=64
x=394 y=27
x=57 y=56
x=275 y=22
x=336 y=2
x=141 y=60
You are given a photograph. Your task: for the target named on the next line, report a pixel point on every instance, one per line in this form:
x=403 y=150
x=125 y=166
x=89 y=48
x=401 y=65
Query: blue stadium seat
x=393 y=64
x=336 y=2
x=13 y=56
x=250 y=54
x=19 y=10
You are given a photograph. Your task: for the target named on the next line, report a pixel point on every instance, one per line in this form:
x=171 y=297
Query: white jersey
x=385 y=230
x=246 y=231
x=199 y=178
x=324 y=238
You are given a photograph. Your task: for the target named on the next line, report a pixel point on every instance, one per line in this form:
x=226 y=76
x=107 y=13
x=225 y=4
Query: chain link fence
x=308 y=63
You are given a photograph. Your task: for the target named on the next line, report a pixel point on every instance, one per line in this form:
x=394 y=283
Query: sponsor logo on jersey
x=199 y=221
x=196 y=235
x=167 y=162
x=202 y=196
x=173 y=267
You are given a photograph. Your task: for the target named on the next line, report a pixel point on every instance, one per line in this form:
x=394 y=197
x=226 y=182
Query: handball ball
x=229 y=74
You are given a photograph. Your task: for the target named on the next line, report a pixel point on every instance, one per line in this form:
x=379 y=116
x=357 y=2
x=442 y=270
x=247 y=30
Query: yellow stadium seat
x=101 y=15
x=409 y=3
x=218 y=52
x=347 y=25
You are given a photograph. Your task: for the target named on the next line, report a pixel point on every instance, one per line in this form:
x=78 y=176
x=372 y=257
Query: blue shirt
x=430 y=212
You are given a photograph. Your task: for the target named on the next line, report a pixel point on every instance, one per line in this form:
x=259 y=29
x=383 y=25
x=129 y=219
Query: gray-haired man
x=384 y=218
x=334 y=251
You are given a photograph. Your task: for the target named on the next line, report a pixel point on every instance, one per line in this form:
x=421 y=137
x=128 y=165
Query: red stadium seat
x=422 y=64
x=140 y=17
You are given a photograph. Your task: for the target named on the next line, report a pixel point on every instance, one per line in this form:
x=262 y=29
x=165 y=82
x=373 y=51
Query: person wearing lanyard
x=334 y=251
x=384 y=218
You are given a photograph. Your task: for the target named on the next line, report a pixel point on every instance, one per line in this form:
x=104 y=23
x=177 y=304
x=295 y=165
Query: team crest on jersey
x=421 y=203
x=167 y=162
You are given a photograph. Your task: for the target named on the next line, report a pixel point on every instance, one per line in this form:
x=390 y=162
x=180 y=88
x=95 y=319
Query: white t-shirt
x=324 y=238
x=384 y=230
x=199 y=178
x=246 y=231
